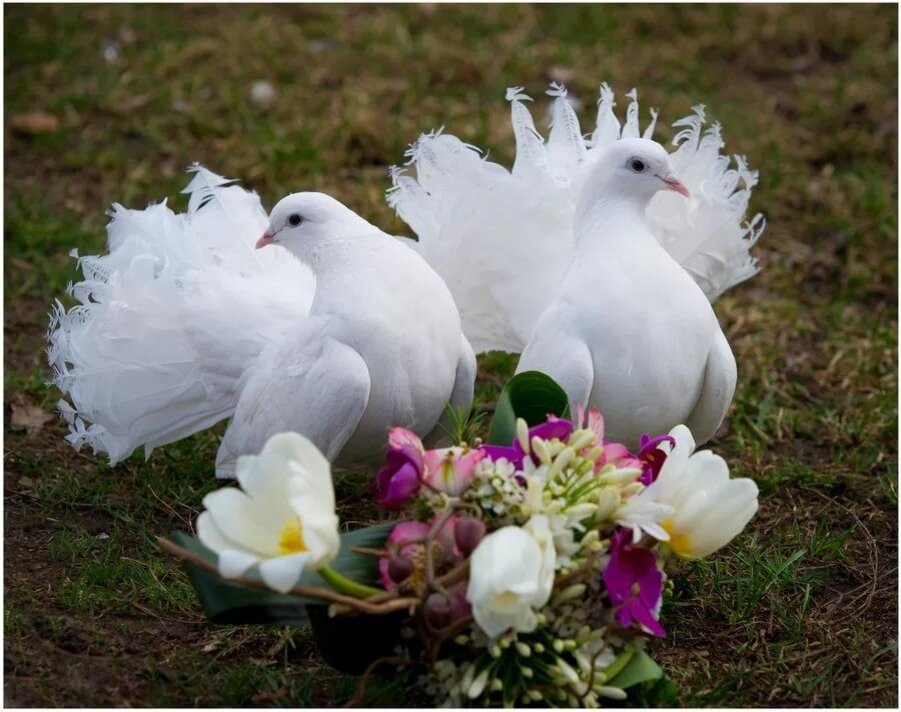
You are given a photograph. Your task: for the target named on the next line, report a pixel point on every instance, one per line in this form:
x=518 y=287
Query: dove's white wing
x=169 y=321
x=502 y=240
x=313 y=384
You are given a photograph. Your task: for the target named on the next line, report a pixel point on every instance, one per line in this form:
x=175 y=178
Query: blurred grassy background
x=111 y=103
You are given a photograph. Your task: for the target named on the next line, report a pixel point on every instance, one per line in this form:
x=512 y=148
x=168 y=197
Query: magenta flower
x=555 y=427
x=634 y=584
x=451 y=470
x=652 y=457
x=400 y=479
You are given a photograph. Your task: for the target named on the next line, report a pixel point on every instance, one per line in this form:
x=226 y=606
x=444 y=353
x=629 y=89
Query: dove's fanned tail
x=502 y=240
x=169 y=320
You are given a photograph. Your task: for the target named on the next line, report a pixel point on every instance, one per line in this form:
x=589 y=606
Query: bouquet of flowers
x=527 y=572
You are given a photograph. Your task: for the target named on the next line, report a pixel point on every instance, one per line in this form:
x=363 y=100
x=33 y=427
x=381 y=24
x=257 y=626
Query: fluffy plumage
x=184 y=323
x=503 y=239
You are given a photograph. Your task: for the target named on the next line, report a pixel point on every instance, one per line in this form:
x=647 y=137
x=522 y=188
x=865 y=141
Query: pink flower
x=399 y=480
x=405 y=552
x=614 y=454
x=405 y=543
x=451 y=470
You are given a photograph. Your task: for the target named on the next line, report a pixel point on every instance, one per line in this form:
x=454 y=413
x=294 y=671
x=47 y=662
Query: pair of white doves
x=596 y=258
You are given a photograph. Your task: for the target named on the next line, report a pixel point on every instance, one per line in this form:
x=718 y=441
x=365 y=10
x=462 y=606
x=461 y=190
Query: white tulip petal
x=510 y=572
x=210 y=535
x=321 y=537
x=236 y=517
x=708 y=468
x=248 y=474
x=282 y=572
x=233 y=563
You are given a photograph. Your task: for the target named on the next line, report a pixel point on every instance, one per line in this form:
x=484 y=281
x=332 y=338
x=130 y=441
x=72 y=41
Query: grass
x=799 y=611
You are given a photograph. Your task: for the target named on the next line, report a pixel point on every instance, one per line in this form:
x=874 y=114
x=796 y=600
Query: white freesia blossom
x=511 y=574
x=708 y=508
x=643 y=515
x=283 y=521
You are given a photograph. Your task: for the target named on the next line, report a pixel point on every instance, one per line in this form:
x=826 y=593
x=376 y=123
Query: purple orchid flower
x=634 y=584
x=555 y=427
x=651 y=456
x=400 y=479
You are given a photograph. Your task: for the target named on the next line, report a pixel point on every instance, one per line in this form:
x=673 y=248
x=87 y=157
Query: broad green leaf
x=640 y=668
x=530 y=395
x=226 y=602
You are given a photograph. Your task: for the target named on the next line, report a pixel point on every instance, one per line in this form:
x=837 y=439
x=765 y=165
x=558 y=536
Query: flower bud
x=571 y=675
x=582 y=439
x=561 y=461
x=539 y=447
x=468 y=533
x=522 y=434
x=478 y=685
x=399 y=568
x=438 y=610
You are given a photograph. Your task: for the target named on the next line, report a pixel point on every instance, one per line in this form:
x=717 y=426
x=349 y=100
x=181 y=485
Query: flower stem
x=342 y=584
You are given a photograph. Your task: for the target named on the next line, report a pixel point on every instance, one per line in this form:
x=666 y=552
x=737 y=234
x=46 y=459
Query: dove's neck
x=611 y=223
x=331 y=254
x=344 y=264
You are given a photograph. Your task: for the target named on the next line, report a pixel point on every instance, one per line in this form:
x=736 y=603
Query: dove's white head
x=636 y=167
x=306 y=222
x=622 y=182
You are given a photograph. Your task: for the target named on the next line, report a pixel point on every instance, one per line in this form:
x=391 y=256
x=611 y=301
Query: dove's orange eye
x=636 y=164
x=294 y=220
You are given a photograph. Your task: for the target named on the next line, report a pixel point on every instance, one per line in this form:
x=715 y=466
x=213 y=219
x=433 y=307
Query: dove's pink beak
x=267 y=239
x=673 y=183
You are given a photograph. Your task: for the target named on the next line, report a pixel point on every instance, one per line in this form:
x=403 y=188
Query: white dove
x=338 y=334
x=586 y=265
x=629 y=330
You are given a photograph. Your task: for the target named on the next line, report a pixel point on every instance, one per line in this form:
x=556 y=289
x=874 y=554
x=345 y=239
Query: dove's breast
x=648 y=329
x=398 y=314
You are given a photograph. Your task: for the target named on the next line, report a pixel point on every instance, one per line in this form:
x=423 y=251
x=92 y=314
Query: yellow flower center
x=679 y=542
x=291 y=540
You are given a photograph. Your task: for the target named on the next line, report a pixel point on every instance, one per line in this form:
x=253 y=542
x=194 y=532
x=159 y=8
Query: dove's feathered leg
x=318 y=387
x=461 y=395
x=716 y=392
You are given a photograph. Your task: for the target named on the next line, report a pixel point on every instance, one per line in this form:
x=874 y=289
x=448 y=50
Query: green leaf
x=654 y=693
x=614 y=668
x=640 y=668
x=530 y=395
x=227 y=602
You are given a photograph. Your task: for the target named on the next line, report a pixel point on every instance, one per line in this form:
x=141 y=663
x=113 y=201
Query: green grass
x=799 y=611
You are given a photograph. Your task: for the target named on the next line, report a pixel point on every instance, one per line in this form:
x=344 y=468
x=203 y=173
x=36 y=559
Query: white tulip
x=708 y=508
x=283 y=521
x=511 y=574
